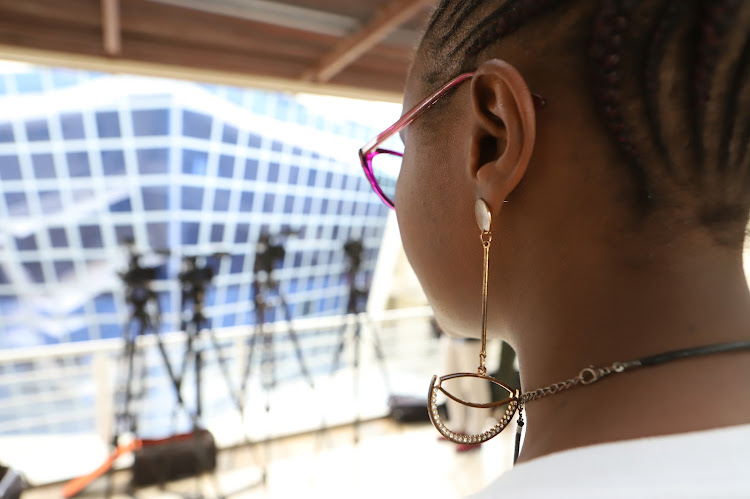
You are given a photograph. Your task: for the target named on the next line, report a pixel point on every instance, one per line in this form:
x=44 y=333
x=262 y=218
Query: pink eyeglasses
x=382 y=165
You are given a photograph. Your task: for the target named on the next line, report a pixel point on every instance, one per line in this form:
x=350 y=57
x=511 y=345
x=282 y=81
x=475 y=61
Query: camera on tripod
x=137 y=278
x=354 y=249
x=195 y=277
x=270 y=252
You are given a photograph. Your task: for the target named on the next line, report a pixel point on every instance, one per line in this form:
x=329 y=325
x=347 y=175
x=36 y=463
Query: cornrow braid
x=669 y=20
x=717 y=17
x=610 y=27
x=504 y=21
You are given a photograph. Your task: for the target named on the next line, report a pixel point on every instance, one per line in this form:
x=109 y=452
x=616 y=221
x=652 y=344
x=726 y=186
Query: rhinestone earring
x=484 y=221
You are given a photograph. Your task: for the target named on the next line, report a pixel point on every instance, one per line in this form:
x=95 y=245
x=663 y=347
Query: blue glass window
x=233 y=291
x=251 y=169
x=105 y=303
x=311 y=176
x=62 y=78
x=242 y=233
x=192 y=198
x=235 y=95
x=122 y=206
x=254 y=141
x=194 y=162
x=190 y=232
x=91 y=236
x=110 y=330
x=81 y=334
x=113 y=162
x=9 y=168
x=17 y=203
x=78 y=164
x=153 y=160
x=221 y=200
x=26 y=243
x=157 y=235
x=246 y=201
x=44 y=165
x=6 y=132
x=235 y=266
x=229 y=134
x=273 y=172
x=276 y=146
x=108 y=124
x=58 y=237
x=217 y=233
x=288 y=204
x=72 y=126
x=148 y=122
x=307 y=205
x=155 y=198
x=268 y=201
x=34 y=271
x=37 y=130
x=50 y=202
x=196 y=125
x=27 y=83
x=226 y=166
x=293 y=174
x=124 y=233
x=63 y=268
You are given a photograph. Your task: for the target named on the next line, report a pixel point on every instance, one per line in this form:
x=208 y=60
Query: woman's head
x=644 y=139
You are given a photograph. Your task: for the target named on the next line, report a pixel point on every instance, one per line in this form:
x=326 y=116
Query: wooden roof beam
x=349 y=49
x=111 y=32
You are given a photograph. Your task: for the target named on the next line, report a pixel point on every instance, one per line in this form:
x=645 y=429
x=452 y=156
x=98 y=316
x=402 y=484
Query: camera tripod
x=144 y=318
x=194 y=280
x=356 y=306
x=267 y=295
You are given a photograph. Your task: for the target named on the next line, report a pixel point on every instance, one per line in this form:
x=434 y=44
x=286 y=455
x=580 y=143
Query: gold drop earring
x=513 y=401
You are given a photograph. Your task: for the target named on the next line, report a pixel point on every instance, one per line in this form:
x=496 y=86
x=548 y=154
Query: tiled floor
x=391 y=460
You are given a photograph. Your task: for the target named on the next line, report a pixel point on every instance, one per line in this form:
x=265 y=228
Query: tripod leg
x=123 y=415
x=176 y=382
x=355 y=377
x=340 y=347
x=224 y=368
x=379 y=354
x=295 y=340
x=249 y=361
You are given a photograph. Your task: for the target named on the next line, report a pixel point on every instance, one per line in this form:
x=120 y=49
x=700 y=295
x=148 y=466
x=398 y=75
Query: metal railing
x=70 y=391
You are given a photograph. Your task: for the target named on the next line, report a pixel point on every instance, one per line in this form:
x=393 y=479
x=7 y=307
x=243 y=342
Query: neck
x=600 y=314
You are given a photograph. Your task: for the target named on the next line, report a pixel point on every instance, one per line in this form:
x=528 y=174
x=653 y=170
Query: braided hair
x=669 y=78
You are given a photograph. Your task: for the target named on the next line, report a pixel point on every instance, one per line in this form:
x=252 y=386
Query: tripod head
x=137 y=280
x=196 y=275
x=353 y=249
x=270 y=251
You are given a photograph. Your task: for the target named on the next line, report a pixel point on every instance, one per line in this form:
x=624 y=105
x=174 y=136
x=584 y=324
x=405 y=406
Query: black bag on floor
x=173 y=458
x=411 y=409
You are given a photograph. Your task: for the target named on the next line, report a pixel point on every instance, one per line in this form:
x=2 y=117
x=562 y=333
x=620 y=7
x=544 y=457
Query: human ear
x=503 y=131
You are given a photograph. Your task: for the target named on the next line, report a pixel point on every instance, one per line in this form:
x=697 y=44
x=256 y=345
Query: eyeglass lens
x=386 y=165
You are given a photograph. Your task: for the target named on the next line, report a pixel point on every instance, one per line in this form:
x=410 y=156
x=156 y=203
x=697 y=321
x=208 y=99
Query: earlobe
x=503 y=132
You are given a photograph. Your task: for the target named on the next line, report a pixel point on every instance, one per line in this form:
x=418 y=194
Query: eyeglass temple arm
x=424 y=105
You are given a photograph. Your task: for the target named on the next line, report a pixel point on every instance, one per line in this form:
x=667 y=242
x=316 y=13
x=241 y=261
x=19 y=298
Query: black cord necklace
x=593 y=374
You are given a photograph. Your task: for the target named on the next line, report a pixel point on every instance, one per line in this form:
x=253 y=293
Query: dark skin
x=576 y=277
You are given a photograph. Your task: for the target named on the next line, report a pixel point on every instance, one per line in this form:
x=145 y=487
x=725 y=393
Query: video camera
x=270 y=250
x=354 y=249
